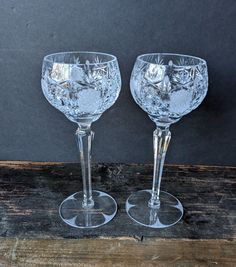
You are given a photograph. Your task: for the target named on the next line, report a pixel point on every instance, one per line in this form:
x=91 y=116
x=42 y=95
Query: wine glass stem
x=84 y=137
x=161 y=139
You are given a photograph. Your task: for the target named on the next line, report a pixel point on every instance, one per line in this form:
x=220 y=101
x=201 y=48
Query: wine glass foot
x=168 y=214
x=73 y=214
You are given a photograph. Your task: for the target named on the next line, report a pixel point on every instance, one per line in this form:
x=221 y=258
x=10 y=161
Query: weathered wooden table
x=32 y=233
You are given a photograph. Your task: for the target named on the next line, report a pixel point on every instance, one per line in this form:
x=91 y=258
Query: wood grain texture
x=32 y=234
x=30 y=194
x=117 y=252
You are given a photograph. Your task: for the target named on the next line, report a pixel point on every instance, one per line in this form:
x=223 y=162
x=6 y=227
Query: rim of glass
x=113 y=58
x=201 y=60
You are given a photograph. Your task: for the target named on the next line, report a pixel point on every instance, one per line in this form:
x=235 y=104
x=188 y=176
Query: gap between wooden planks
x=123 y=251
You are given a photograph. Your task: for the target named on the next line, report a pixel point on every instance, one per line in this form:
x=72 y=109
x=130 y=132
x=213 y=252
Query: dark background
x=31 y=129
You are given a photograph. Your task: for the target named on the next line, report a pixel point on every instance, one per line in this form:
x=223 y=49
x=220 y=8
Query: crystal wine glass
x=167 y=87
x=82 y=85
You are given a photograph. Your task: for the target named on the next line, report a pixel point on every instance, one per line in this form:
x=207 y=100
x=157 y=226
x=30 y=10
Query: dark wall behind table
x=31 y=129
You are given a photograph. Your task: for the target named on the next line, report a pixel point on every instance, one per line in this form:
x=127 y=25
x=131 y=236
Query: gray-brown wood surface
x=32 y=234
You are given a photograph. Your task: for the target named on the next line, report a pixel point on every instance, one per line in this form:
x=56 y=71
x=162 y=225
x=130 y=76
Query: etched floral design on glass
x=83 y=85
x=167 y=87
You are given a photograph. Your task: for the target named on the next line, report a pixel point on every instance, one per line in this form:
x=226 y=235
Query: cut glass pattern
x=167 y=89
x=81 y=90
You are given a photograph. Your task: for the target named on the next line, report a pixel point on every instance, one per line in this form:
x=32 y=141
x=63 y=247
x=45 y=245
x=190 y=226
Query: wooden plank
x=31 y=233
x=30 y=194
x=117 y=252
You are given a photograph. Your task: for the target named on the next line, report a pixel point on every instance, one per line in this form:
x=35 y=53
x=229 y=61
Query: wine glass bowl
x=83 y=85
x=167 y=87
